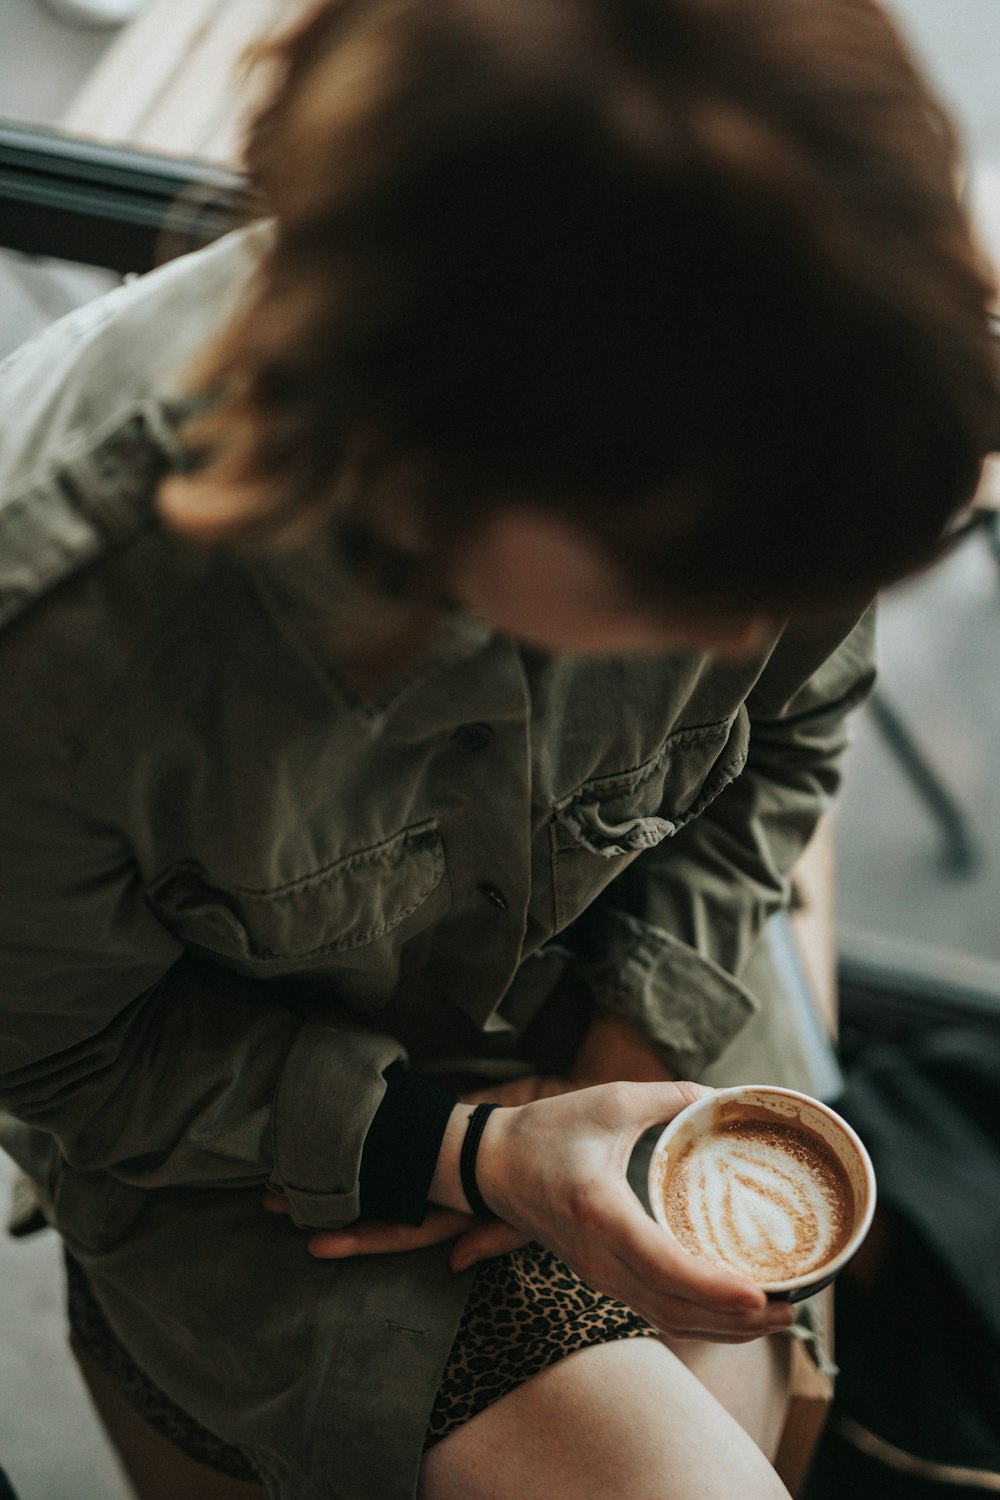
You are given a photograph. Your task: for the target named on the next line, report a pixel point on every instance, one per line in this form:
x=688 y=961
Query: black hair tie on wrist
x=467 y=1160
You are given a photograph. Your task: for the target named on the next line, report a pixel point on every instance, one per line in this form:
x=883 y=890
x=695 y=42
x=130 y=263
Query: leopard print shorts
x=525 y=1311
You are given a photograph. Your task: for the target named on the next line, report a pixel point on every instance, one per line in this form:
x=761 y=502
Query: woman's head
x=689 y=276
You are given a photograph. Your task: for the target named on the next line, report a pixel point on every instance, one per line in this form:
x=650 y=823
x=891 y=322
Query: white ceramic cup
x=786 y=1107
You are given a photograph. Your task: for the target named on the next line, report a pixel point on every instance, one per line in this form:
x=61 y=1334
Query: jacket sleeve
x=665 y=944
x=140 y=1059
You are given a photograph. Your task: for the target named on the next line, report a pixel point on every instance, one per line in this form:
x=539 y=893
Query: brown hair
x=692 y=273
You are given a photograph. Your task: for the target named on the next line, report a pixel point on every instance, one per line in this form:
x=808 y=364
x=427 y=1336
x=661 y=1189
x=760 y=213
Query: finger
x=485 y=1242
x=372 y=1237
x=715 y=1338
x=683 y=1323
x=276 y=1203
x=677 y=1314
x=657 y=1260
x=689 y=1322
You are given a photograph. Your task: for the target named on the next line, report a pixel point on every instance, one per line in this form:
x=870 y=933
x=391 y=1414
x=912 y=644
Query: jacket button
x=473 y=736
x=492 y=894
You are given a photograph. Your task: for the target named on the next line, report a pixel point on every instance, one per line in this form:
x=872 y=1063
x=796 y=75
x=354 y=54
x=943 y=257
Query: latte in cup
x=764 y=1182
x=765 y=1199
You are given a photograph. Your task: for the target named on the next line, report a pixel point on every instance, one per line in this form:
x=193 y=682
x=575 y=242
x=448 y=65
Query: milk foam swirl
x=763 y=1201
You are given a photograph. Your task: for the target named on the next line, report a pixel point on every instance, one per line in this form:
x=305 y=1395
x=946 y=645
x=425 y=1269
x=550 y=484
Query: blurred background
x=918 y=852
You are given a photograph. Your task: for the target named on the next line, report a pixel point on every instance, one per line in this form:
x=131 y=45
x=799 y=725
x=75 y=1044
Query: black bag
x=917 y=1407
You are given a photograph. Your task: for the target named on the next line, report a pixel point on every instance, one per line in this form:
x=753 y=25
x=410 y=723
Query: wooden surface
x=810 y=1394
x=173 y=80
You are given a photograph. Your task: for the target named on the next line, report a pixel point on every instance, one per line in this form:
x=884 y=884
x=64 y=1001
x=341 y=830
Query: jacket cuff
x=682 y=1001
x=328 y=1094
x=402 y=1146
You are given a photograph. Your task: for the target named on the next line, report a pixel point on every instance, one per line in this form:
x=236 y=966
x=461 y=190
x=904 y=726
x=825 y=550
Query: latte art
x=763 y=1198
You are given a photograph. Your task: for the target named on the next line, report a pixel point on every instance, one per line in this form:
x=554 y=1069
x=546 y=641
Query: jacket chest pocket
x=384 y=891
x=610 y=820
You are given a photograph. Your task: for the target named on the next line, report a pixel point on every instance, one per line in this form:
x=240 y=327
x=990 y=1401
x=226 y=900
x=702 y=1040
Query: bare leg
x=749 y=1380
x=626 y=1419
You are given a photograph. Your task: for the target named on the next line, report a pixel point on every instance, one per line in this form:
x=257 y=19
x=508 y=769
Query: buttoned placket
x=463 y=710
x=481 y=790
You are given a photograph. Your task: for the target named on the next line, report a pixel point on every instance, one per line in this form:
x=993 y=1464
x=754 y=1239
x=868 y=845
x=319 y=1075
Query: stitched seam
x=355 y=940
x=638 y=775
x=422 y=836
x=343 y=944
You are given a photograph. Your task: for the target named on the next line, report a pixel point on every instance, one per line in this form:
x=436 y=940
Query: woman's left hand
x=611 y=1051
x=475 y=1239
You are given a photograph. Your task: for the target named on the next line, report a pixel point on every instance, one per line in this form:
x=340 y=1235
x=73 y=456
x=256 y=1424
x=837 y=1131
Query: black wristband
x=401 y=1147
x=467 y=1160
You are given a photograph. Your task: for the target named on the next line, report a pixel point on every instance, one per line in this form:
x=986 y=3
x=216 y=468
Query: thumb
x=484 y=1242
x=658 y=1103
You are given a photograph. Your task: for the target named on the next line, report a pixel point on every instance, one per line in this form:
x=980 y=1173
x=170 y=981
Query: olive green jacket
x=234 y=889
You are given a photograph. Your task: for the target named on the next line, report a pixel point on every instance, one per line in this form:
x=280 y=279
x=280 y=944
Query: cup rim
x=820 y=1275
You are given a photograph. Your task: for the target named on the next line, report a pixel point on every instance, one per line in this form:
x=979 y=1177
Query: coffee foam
x=766 y=1199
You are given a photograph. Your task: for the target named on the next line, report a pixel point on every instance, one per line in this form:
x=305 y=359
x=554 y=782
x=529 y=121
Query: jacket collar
x=367 y=648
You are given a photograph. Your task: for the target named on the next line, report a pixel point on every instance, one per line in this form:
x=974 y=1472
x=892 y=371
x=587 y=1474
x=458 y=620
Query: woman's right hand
x=555 y=1169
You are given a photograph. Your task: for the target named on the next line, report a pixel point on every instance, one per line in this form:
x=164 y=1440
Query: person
x=430 y=617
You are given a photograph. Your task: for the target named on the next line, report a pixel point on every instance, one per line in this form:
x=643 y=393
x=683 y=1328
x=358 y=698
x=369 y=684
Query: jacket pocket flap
x=350 y=902
x=632 y=811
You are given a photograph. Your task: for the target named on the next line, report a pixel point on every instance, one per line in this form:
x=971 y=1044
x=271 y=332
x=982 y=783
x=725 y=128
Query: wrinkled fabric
x=235 y=889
